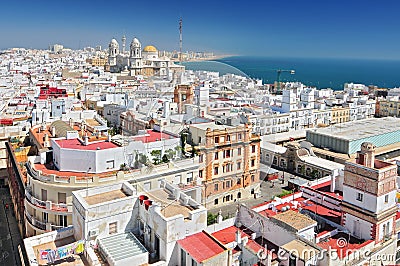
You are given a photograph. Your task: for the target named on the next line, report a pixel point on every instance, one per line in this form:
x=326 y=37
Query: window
x=253 y=162
x=359 y=196
x=201 y=173
x=62 y=220
x=201 y=158
x=216 y=156
x=227 y=154
x=239 y=136
x=199 y=139
x=252 y=178
x=216 y=139
x=62 y=197
x=110 y=164
x=194 y=263
x=238 y=166
x=239 y=151
x=253 y=148
x=216 y=170
x=216 y=187
x=44 y=194
x=112 y=228
x=239 y=181
x=239 y=195
x=228 y=184
x=45 y=217
x=386 y=198
x=189 y=177
x=216 y=202
x=228 y=138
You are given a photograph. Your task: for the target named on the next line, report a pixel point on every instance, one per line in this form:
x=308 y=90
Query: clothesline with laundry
x=52 y=255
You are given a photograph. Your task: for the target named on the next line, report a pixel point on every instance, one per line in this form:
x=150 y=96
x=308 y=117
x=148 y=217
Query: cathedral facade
x=146 y=62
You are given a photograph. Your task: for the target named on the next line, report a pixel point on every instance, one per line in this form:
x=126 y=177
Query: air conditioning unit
x=94 y=232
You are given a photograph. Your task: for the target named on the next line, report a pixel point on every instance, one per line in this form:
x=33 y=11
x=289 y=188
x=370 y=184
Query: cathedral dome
x=150 y=49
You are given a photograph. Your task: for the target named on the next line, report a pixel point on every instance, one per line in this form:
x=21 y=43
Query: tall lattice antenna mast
x=180 y=41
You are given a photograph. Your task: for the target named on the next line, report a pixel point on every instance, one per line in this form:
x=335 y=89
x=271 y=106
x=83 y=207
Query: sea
x=317 y=72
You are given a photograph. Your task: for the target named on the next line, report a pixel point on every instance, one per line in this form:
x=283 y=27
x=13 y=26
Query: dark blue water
x=321 y=73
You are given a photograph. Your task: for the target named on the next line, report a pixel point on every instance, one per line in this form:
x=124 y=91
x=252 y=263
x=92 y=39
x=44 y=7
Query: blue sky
x=302 y=28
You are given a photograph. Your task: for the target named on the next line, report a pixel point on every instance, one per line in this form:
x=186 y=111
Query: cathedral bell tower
x=135 y=59
x=113 y=51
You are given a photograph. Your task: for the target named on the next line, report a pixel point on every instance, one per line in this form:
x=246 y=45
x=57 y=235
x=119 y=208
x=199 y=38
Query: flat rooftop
x=361 y=129
x=92 y=122
x=169 y=206
x=105 y=196
x=294 y=219
x=152 y=136
x=75 y=144
x=303 y=249
x=284 y=136
x=212 y=126
x=326 y=164
x=73 y=260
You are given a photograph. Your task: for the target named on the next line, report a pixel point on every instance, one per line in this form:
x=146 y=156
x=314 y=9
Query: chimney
x=366 y=156
x=333 y=184
x=238 y=237
x=53 y=131
x=71 y=123
x=86 y=140
x=166 y=109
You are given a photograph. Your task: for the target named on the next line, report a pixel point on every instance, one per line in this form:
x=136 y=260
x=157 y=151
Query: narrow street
x=9 y=233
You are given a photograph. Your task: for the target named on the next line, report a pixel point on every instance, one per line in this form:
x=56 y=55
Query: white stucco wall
x=364 y=231
x=370 y=202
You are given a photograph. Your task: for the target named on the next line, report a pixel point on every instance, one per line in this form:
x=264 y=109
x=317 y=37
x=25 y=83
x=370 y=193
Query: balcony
x=35 y=222
x=47 y=205
x=43 y=226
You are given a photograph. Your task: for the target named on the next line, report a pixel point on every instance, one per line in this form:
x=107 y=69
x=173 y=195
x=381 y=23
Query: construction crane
x=279 y=72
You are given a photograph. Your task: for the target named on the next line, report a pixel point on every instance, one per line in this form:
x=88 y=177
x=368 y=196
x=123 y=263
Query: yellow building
x=97 y=61
x=340 y=115
x=387 y=107
x=229 y=162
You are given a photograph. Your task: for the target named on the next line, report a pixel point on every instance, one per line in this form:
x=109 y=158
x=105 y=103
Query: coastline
x=216 y=57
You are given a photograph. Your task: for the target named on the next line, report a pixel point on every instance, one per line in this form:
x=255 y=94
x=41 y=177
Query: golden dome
x=149 y=48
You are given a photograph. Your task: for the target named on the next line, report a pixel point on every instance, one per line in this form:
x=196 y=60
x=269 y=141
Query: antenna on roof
x=180 y=41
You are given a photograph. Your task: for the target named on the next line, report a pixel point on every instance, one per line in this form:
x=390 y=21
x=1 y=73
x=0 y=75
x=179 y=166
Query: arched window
x=299 y=169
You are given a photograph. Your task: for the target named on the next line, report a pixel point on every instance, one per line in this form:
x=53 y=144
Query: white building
x=152 y=218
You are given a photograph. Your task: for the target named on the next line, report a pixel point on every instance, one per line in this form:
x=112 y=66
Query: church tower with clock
x=369 y=196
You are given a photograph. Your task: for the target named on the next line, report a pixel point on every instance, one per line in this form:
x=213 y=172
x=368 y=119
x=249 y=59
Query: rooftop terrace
x=105 y=196
x=169 y=206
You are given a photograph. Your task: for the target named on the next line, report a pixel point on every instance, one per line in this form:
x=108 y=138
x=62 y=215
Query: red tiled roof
x=227 y=235
x=201 y=246
x=77 y=145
